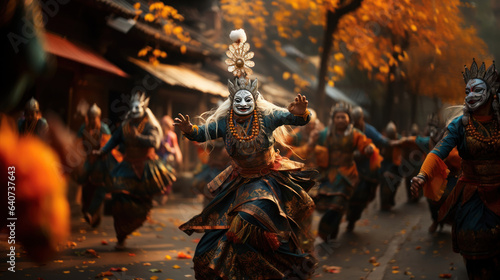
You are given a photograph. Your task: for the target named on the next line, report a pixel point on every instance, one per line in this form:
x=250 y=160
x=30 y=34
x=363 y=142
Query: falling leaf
x=395 y=271
x=58 y=261
x=168 y=257
x=66 y=271
x=71 y=244
x=137 y=6
x=183 y=49
x=104 y=242
x=332 y=269
x=376 y=264
x=413 y=27
x=146 y=264
x=136 y=233
x=182 y=255
x=418 y=248
x=154 y=277
x=105 y=273
x=155 y=270
x=176 y=267
x=92 y=252
x=118 y=269
x=196 y=240
x=131 y=254
x=445 y=275
x=372 y=260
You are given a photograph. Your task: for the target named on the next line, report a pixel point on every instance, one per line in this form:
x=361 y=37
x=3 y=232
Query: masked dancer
x=254 y=227
x=141 y=174
x=475 y=200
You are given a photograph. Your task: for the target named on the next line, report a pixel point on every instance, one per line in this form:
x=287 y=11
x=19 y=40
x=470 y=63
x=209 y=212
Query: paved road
x=384 y=245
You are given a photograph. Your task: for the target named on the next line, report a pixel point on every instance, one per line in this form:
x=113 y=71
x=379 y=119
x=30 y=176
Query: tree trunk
x=392 y=86
x=332 y=22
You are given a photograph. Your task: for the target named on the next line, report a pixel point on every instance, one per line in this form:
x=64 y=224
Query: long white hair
x=265 y=107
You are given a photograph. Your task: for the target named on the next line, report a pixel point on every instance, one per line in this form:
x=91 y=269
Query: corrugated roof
x=183 y=76
x=61 y=47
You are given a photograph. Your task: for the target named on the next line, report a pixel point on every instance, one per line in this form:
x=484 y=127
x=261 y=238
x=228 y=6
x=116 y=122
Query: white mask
x=137 y=109
x=243 y=103
x=477 y=94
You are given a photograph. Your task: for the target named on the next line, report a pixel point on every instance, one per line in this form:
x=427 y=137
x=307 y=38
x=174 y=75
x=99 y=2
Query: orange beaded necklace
x=255 y=128
x=472 y=131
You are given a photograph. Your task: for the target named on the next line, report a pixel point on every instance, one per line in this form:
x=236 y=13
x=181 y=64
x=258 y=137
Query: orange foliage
x=402 y=34
x=168 y=17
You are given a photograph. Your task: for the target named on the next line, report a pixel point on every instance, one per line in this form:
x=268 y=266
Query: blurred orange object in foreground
x=182 y=255
x=41 y=207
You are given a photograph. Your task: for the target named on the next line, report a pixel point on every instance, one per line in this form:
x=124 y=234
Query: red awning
x=61 y=47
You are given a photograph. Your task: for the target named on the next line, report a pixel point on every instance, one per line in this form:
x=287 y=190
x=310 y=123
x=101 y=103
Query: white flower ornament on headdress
x=239 y=62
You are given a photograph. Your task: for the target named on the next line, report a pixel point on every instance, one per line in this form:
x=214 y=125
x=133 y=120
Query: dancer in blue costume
x=475 y=200
x=141 y=174
x=256 y=226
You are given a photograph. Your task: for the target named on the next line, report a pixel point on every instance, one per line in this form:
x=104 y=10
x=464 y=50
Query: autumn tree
x=429 y=28
x=286 y=16
x=375 y=36
x=166 y=17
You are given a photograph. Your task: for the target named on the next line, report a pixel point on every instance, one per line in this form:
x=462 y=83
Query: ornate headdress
x=239 y=64
x=341 y=107
x=141 y=97
x=94 y=110
x=489 y=76
x=32 y=105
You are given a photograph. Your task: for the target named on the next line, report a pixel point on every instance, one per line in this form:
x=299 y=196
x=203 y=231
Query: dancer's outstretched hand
x=299 y=105
x=183 y=123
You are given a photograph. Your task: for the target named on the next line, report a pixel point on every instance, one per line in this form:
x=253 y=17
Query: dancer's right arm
x=116 y=139
x=198 y=133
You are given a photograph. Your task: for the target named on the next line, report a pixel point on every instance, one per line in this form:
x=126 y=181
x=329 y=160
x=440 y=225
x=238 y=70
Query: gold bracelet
x=306 y=113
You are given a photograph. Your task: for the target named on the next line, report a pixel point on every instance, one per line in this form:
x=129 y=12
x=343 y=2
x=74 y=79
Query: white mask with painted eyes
x=243 y=103
x=477 y=94
x=136 y=109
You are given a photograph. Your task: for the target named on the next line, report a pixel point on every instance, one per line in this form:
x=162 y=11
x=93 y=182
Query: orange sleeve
x=375 y=159
x=104 y=139
x=453 y=160
x=436 y=173
x=115 y=153
x=361 y=143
